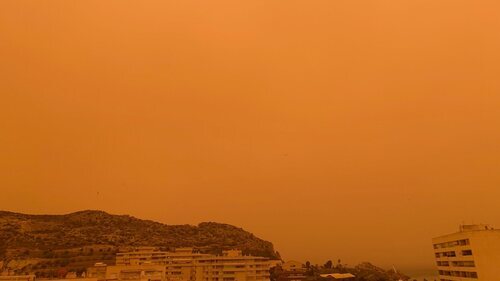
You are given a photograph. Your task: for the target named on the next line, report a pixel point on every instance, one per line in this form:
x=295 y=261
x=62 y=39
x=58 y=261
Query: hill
x=44 y=243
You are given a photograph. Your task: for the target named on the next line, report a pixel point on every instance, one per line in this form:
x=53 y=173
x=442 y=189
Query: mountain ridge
x=79 y=239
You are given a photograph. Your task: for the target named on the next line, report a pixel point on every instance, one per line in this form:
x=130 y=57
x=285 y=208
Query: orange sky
x=336 y=129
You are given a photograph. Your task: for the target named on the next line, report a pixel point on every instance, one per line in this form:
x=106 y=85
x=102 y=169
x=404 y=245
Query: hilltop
x=43 y=243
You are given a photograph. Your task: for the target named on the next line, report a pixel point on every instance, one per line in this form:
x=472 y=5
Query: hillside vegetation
x=52 y=244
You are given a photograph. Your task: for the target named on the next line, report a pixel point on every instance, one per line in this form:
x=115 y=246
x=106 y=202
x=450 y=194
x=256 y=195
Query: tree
x=61 y=273
x=328 y=264
x=275 y=272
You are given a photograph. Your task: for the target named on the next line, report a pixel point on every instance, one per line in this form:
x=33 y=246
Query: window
x=443 y=263
x=466 y=252
x=445 y=272
x=465 y=274
x=446 y=254
x=461 y=242
x=464 y=263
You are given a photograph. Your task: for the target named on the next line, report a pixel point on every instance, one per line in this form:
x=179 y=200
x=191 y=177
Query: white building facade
x=473 y=253
x=185 y=265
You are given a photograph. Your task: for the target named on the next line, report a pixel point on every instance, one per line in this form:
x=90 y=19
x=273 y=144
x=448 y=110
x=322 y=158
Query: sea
x=421 y=275
x=427 y=277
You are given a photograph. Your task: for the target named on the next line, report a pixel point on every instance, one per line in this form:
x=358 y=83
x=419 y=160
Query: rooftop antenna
x=395 y=271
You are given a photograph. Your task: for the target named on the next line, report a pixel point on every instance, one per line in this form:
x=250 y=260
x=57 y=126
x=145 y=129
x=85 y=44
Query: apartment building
x=472 y=253
x=136 y=272
x=97 y=271
x=185 y=265
x=293 y=266
x=30 y=277
x=292 y=271
x=33 y=278
x=151 y=255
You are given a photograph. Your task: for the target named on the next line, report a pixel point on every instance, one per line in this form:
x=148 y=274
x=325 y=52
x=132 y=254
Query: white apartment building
x=185 y=265
x=473 y=253
x=151 y=255
x=17 y=277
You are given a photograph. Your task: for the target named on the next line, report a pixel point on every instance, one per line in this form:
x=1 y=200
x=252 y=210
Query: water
x=420 y=275
x=427 y=277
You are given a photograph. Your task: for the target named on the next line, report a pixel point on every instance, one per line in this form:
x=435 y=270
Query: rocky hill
x=368 y=272
x=48 y=243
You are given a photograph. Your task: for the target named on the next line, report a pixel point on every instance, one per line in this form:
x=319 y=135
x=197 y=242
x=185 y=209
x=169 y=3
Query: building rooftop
x=338 y=275
x=475 y=227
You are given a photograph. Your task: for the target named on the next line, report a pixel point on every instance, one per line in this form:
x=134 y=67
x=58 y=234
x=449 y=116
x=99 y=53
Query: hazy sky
x=336 y=129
